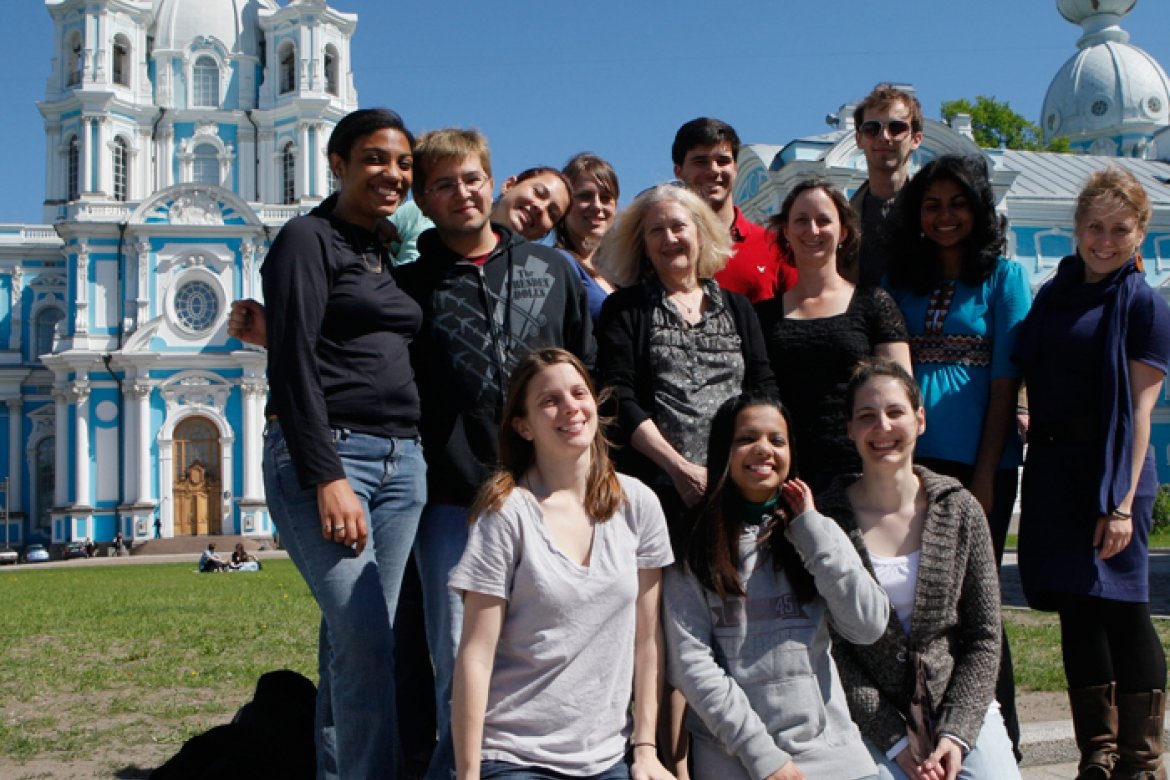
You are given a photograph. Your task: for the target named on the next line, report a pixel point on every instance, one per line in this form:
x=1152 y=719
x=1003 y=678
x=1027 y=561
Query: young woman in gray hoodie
x=748 y=608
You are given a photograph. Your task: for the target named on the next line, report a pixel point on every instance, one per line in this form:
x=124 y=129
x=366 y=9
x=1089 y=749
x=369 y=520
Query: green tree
x=997 y=126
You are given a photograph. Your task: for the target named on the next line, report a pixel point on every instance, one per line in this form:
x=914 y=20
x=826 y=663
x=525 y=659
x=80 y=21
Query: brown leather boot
x=1139 y=736
x=1094 y=714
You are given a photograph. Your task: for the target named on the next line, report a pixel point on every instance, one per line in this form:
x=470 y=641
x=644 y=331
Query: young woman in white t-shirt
x=561 y=583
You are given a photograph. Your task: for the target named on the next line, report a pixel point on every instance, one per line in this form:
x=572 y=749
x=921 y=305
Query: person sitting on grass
x=210 y=561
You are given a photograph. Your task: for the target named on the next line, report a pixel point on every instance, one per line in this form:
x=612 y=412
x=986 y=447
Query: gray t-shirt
x=560 y=690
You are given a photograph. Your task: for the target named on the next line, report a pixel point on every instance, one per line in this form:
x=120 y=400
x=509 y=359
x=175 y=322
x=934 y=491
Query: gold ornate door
x=197 y=479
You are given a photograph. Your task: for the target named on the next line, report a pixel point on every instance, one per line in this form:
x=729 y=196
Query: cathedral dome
x=1109 y=88
x=234 y=23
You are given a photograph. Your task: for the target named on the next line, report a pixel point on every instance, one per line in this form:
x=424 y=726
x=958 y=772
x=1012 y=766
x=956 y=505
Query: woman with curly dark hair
x=963 y=305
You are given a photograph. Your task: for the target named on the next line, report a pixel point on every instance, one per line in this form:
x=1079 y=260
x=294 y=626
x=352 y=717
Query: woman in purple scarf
x=1094 y=351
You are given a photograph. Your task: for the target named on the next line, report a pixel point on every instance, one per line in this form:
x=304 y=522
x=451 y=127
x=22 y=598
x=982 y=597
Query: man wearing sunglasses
x=888 y=127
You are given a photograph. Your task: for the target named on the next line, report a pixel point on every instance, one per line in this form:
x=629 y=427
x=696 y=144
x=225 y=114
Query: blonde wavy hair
x=621 y=257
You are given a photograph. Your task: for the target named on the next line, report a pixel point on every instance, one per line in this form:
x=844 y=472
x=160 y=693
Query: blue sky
x=545 y=80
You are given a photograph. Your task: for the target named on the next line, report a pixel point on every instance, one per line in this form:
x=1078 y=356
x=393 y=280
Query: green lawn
x=141 y=655
x=127 y=662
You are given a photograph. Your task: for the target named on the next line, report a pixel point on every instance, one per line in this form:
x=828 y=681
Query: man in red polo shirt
x=704 y=153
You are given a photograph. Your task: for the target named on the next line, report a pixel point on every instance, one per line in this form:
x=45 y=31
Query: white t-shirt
x=560 y=690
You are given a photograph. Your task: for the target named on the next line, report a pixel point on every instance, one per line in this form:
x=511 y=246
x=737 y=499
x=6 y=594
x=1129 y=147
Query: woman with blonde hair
x=1094 y=351
x=671 y=344
x=561 y=581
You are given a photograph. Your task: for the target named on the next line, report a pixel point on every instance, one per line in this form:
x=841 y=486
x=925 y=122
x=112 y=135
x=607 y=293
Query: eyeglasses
x=897 y=128
x=472 y=182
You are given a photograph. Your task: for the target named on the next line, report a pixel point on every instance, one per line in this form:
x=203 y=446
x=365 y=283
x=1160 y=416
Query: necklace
x=680 y=301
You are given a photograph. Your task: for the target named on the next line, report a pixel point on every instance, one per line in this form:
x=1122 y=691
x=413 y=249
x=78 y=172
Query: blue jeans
x=502 y=770
x=442 y=535
x=991 y=758
x=357 y=727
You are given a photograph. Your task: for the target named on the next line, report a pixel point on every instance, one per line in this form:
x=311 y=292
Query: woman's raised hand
x=798 y=495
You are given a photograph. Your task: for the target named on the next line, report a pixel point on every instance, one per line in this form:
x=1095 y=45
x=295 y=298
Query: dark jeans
x=502 y=770
x=1005 y=487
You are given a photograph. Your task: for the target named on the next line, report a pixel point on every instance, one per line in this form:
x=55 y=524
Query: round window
x=1099 y=107
x=1154 y=105
x=196 y=305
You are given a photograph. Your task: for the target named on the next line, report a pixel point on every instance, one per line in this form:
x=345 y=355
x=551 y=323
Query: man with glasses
x=704 y=153
x=488 y=298
x=888 y=128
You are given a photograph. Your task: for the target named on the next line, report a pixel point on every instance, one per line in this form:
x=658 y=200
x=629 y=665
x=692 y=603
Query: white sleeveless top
x=898 y=576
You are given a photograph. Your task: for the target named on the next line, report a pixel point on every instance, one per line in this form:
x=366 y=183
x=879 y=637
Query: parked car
x=35 y=553
x=75 y=550
x=8 y=555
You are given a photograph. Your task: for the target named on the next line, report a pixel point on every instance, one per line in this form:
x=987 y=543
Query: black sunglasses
x=897 y=128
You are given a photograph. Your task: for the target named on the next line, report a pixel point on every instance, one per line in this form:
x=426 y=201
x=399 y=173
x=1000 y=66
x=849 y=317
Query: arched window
x=44 y=474
x=73 y=169
x=121 y=63
x=45 y=326
x=205 y=83
x=121 y=168
x=74 y=61
x=331 y=70
x=288 y=174
x=205 y=165
x=288 y=68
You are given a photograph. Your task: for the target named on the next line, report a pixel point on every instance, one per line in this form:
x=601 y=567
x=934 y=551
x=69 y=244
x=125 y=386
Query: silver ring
x=338 y=528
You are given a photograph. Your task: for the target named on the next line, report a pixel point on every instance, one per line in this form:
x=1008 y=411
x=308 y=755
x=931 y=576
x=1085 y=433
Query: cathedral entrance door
x=197 y=478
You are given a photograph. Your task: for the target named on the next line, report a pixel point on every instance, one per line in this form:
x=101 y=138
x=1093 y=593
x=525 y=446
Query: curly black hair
x=914 y=261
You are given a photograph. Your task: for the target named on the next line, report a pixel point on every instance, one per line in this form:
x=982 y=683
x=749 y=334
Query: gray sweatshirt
x=758 y=672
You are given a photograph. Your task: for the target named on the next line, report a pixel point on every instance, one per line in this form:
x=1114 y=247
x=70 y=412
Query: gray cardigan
x=758 y=673
x=955 y=626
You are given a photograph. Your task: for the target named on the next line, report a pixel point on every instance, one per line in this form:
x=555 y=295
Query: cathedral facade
x=180 y=136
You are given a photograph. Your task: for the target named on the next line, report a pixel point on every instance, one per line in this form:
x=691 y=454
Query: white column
x=15 y=455
x=104 y=173
x=81 y=462
x=61 y=450
x=254 y=392
x=17 y=309
x=85 y=156
x=141 y=445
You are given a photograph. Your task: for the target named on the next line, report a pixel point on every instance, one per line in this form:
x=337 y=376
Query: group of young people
x=783 y=546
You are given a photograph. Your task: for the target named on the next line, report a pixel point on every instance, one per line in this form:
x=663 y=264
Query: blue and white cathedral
x=180 y=135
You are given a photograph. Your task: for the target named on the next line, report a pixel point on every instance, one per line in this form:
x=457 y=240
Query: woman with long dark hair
x=561 y=581
x=748 y=611
x=1095 y=349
